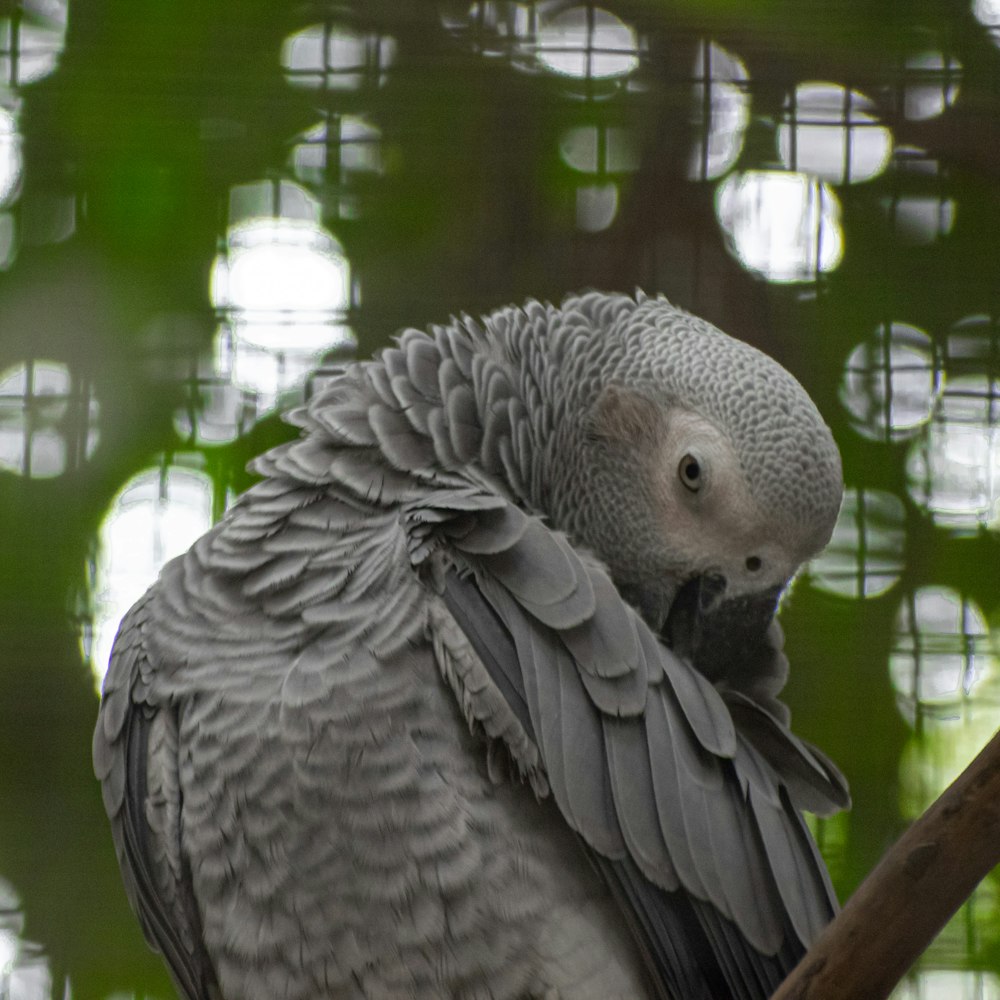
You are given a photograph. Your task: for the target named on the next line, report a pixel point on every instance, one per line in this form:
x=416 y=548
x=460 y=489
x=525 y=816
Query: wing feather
x=702 y=705
x=690 y=824
x=631 y=778
x=588 y=791
x=494 y=531
x=606 y=645
x=814 y=782
x=536 y=569
x=537 y=652
x=668 y=794
x=801 y=880
x=128 y=762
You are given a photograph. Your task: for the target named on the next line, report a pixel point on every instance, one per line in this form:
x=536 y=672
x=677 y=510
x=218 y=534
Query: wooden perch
x=922 y=880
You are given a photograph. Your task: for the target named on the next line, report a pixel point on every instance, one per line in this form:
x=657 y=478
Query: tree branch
x=922 y=880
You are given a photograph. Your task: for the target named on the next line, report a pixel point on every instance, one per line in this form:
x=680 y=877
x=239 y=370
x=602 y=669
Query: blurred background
x=201 y=204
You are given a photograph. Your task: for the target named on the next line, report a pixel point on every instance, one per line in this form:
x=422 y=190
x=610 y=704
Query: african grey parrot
x=474 y=694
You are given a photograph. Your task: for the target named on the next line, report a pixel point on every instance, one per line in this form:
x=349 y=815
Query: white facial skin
x=700 y=505
x=714 y=523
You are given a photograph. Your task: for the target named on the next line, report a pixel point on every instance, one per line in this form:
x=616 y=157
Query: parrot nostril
x=753 y=563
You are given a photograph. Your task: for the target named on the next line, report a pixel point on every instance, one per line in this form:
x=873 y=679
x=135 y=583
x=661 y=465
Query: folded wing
x=687 y=800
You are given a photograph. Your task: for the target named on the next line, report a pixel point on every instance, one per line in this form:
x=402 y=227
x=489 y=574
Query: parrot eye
x=753 y=563
x=690 y=473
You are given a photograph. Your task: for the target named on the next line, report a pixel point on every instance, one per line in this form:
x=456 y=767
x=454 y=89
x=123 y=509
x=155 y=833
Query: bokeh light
x=596 y=206
x=24 y=971
x=30 y=46
x=971 y=348
x=891 y=383
x=834 y=133
x=284 y=282
x=944 y=745
x=922 y=210
x=355 y=145
x=595 y=149
x=783 y=226
x=216 y=411
x=587 y=43
x=941 y=652
x=953 y=469
x=721 y=109
x=597 y=152
x=865 y=555
x=48 y=419
x=157 y=514
x=336 y=57
x=949 y=984
x=495 y=28
x=283 y=285
x=11 y=160
x=8 y=953
x=932 y=84
x=272 y=377
x=987 y=13
x=971 y=344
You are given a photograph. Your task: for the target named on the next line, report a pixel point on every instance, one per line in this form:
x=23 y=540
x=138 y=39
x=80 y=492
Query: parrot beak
x=717 y=632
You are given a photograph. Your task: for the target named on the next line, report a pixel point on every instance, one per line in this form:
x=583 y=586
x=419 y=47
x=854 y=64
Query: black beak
x=715 y=632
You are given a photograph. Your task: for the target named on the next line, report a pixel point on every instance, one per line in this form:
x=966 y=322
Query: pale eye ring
x=690 y=472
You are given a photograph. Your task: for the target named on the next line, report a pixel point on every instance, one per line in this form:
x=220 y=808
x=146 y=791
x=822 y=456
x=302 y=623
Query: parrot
x=475 y=692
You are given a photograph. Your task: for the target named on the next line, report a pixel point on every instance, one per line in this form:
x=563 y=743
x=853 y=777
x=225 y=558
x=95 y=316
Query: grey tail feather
x=691 y=950
x=678 y=973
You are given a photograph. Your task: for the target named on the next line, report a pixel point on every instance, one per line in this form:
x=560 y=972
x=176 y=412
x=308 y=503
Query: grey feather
x=463 y=423
x=330 y=516
x=494 y=531
x=437 y=427
x=704 y=708
x=415 y=406
x=405 y=449
x=422 y=361
x=537 y=569
x=451 y=380
x=700 y=798
x=361 y=738
x=808 y=912
x=813 y=781
x=345 y=412
x=366 y=476
x=631 y=778
x=621 y=696
x=277 y=573
x=380 y=380
x=121 y=756
x=589 y=802
x=607 y=646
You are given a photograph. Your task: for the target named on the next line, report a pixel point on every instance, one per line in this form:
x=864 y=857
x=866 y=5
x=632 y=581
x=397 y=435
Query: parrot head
x=711 y=479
